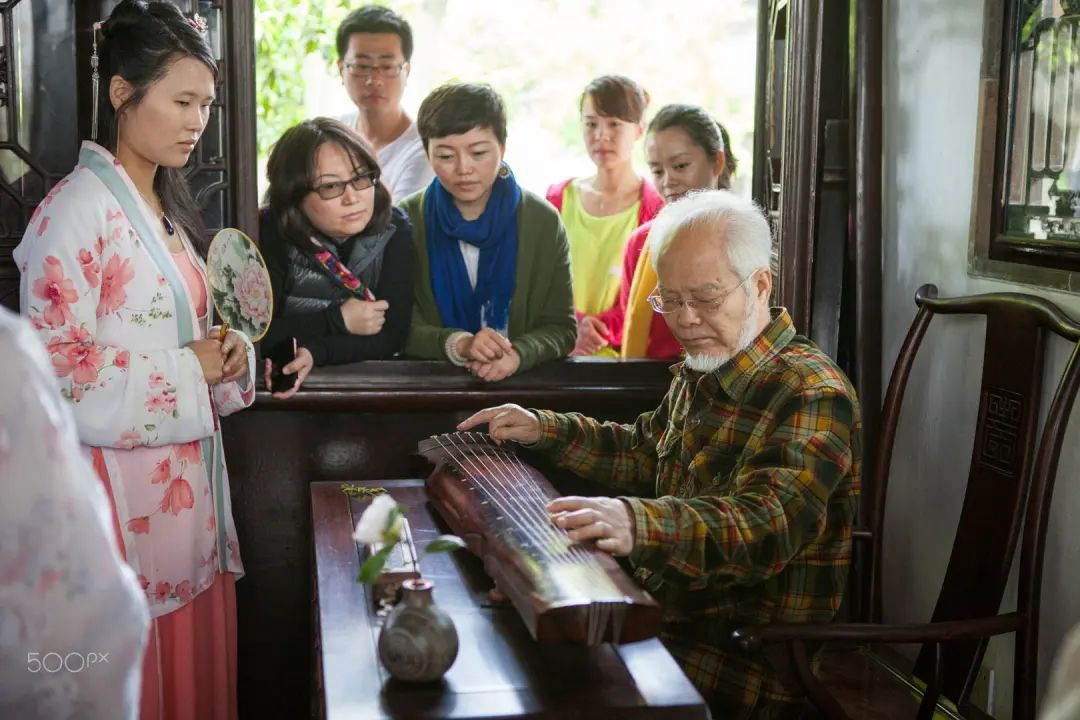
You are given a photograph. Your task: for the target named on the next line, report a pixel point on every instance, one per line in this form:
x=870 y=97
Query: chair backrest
x=1009 y=484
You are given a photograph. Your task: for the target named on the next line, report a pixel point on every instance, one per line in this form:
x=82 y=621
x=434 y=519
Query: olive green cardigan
x=542 y=325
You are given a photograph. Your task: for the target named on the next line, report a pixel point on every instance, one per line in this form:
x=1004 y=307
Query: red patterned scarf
x=338 y=270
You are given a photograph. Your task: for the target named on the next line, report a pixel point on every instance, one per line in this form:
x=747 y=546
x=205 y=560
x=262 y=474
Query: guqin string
x=503 y=488
x=504 y=482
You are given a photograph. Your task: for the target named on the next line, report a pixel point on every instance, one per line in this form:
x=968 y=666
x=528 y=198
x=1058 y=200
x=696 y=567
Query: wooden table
x=500 y=672
x=362 y=422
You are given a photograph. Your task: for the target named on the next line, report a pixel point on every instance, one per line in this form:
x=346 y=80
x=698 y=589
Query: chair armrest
x=754 y=637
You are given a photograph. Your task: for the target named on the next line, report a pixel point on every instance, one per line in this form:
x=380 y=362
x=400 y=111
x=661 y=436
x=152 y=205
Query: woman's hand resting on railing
x=496 y=370
x=485 y=346
x=591 y=336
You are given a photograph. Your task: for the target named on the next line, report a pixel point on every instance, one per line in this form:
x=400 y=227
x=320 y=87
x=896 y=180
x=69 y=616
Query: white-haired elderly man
x=740 y=489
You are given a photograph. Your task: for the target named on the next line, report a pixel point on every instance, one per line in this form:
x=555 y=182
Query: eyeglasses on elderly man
x=671 y=304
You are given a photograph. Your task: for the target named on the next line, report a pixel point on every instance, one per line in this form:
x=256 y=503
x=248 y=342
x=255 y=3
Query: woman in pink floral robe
x=73 y=619
x=117 y=291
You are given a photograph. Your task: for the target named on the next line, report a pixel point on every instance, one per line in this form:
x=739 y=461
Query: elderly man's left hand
x=608 y=521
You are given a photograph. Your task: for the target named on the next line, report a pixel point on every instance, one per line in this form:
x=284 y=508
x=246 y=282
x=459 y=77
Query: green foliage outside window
x=538 y=54
x=286 y=33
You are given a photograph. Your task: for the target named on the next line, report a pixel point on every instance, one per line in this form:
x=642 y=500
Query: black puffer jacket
x=307 y=297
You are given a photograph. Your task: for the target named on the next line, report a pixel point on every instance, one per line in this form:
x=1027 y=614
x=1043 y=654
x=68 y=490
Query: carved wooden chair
x=1009 y=488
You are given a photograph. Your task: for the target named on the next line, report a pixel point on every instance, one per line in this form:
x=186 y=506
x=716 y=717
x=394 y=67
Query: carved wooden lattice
x=206 y=170
x=44 y=110
x=1000 y=440
x=38 y=143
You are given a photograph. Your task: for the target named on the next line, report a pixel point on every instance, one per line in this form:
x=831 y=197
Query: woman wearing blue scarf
x=493 y=290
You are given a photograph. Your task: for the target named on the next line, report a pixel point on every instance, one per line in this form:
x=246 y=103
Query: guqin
x=565 y=592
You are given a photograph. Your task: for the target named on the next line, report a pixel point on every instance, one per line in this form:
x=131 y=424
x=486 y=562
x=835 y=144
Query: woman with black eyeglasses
x=340 y=256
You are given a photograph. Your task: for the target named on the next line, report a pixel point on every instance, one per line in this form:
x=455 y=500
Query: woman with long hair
x=687 y=150
x=114 y=282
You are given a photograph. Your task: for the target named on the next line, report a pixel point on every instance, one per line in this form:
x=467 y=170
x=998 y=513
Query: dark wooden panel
x=499 y=672
x=352 y=423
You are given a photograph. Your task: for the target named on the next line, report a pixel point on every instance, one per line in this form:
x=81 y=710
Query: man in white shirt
x=374 y=47
x=73 y=619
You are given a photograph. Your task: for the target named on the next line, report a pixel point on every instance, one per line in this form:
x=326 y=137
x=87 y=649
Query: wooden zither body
x=565 y=592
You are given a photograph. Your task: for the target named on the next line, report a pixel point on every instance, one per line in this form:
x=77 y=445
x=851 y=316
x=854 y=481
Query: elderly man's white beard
x=747 y=334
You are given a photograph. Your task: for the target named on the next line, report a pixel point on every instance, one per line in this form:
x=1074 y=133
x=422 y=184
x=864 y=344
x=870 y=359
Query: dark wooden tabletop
x=500 y=672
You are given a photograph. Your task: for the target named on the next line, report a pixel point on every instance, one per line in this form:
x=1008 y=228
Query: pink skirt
x=189 y=669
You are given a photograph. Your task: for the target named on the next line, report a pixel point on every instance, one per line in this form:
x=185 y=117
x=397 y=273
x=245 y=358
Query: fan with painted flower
x=239 y=283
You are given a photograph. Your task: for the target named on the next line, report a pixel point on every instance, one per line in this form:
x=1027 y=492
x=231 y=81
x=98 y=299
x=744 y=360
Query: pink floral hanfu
x=67 y=600
x=110 y=304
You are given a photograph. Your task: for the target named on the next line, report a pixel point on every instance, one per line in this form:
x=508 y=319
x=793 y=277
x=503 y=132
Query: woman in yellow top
x=601 y=211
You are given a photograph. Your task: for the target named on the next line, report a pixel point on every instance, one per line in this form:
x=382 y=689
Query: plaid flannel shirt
x=743 y=485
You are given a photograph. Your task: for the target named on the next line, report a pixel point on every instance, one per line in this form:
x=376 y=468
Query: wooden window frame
x=992 y=253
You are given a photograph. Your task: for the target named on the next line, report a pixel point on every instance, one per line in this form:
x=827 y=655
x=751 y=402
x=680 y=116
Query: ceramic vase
x=418 y=641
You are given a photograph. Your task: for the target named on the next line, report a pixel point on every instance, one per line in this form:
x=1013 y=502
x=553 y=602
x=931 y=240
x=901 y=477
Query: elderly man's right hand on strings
x=506 y=422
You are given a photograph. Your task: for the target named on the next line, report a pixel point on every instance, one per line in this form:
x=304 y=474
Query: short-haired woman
x=340 y=256
x=687 y=150
x=602 y=210
x=493 y=288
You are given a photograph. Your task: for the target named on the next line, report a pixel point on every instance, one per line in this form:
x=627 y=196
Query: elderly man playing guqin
x=741 y=487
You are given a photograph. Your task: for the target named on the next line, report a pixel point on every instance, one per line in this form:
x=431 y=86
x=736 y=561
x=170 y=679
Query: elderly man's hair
x=740 y=222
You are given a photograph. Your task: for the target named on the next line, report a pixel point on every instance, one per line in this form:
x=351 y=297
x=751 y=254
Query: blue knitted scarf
x=495 y=234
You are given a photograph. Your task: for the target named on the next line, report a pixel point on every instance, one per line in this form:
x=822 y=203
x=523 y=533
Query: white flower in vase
x=381 y=523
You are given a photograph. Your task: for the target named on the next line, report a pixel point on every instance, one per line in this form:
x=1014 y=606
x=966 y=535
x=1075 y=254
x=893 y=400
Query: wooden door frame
x=866 y=207
x=243 y=152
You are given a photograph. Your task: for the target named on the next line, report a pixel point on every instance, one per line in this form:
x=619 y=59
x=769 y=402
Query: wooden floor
x=854 y=676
